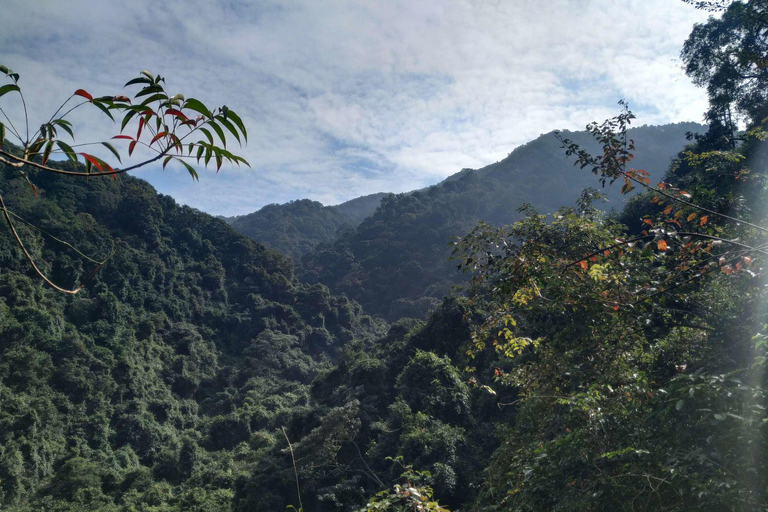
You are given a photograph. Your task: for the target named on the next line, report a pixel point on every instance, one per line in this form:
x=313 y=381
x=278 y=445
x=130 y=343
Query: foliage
x=396 y=262
x=170 y=124
x=163 y=383
x=410 y=496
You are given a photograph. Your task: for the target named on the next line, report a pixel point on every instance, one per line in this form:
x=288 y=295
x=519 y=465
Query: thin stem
x=29 y=256
x=22 y=161
x=13 y=128
x=295 y=471
x=59 y=240
x=26 y=117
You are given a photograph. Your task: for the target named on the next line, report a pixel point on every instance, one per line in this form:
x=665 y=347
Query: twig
x=295 y=471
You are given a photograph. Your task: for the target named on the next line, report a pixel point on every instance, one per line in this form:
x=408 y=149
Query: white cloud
x=344 y=98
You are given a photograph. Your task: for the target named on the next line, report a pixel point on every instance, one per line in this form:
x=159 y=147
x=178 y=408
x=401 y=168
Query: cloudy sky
x=348 y=97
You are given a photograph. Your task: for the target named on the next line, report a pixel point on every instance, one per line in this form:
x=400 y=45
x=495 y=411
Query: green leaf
x=208 y=135
x=150 y=89
x=140 y=80
x=68 y=151
x=197 y=106
x=113 y=150
x=234 y=117
x=2 y=134
x=104 y=109
x=219 y=132
x=190 y=169
x=166 y=160
x=65 y=125
x=719 y=416
x=154 y=97
x=229 y=126
x=679 y=404
x=47 y=152
x=127 y=119
x=9 y=88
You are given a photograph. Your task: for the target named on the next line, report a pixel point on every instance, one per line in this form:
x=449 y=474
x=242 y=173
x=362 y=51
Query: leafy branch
x=174 y=128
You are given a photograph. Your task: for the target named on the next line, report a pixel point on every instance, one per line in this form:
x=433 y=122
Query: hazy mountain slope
x=292 y=228
x=396 y=262
x=360 y=207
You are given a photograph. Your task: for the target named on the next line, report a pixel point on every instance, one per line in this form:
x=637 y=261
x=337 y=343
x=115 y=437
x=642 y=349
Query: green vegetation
x=297 y=227
x=294 y=228
x=168 y=377
x=598 y=361
x=396 y=262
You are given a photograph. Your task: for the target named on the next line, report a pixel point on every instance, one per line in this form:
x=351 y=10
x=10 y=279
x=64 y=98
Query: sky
x=343 y=98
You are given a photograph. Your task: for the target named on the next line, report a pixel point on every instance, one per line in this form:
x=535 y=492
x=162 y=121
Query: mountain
x=360 y=207
x=297 y=227
x=168 y=377
x=396 y=262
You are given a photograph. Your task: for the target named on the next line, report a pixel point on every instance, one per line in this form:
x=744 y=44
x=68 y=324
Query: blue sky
x=346 y=98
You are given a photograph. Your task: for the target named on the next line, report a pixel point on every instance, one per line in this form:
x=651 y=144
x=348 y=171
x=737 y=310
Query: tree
x=727 y=56
x=639 y=351
x=170 y=127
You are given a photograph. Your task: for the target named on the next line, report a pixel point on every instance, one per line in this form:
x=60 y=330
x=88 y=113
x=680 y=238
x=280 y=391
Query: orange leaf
x=648 y=221
x=662 y=245
x=81 y=92
x=584 y=264
x=615 y=308
x=93 y=161
x=157 y=137
x=667 y=210
x=703 y=221
x=176 y=113
x=690 y=217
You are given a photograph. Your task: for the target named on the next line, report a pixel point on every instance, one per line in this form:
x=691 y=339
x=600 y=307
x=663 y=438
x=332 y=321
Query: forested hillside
x=593 y=362
x=396 y=262
x=169 y=376
x=297 y=227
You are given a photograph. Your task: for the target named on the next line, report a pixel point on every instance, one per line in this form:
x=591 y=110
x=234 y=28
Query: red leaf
x=123 y=137
x=81 y=92
x=34 y=189
x=158 y=137
x=125 y=99
x=141 y=125
x=93 y=161
x=176 y=113
x=130 y=147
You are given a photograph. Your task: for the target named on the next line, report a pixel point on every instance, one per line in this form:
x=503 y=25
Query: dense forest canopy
x=595 y=361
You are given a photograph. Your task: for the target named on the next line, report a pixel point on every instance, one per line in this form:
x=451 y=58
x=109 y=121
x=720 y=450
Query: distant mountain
x=396 y=262
x=360 y=207
x=297 y=227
